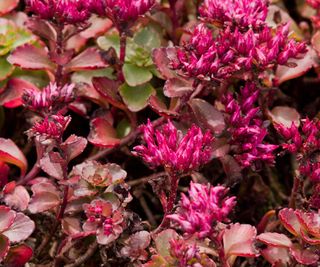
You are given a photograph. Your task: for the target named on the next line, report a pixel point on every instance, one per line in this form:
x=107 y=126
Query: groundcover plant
x=179 y=133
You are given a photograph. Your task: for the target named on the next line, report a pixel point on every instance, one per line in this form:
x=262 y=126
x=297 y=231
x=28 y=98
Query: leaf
x=52 y=163
x=304 y=256
x=10 y=153
x=108 y=41
x=158 y=106
x=102 y=134
x=135 y=75
x=21 y=228
x=147 y=38
x=18 y=256
x=275 y=239
x=7 y=5
x=10 y=97
x=41 y=28
x=74 y=146
x=177 y=87
x=276 y=254
x=162 y=62
x=71 y=225
x=290 y=221
x=4 y=173
x=207 y=115
x=18 y=198
x=316 y=42
x=30 y=57
x=157 y=261
x=285 y=116
x=162 y=241
x=6 y=68
x=136 y=98
x=7 y=217
x=4 y=247
x=89 y=59
x=45 y=197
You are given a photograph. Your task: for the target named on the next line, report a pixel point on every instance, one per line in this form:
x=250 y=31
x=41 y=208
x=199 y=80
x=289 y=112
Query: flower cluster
x=103 y=218
x=204 y=206
x=123 y=13
x=50 y=99
x=246 y=127
x=61 y=11
x=51 y=127
x=169 y=148
x=306 y=143
x=217 y=58
x=240 y=13
x=316 y=5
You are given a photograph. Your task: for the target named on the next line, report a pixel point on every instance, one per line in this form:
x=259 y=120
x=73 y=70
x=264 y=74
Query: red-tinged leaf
x=276 y=255
x=158 y=106
x=74 y=146
x=304 y=256
x=310 y=222
x=238 y=240
x=290 y=221
x=10 y=153
x=231 y=168
x=21 y=228
x=162 y=241
x=76 y=43
x=275 y=239
x=316 y=42
x=4 y=247
x=89 y=59
x=285 y=73
x=79 y=107
x=30 y=57
x=162 y=62
x=4 y=173
x=71 y=226
x=207 y=115
x=285 y=116
x=52 y=164
x=102 y=134
x=45 y=197
x=41 y=28
x=7 y=5
x=220 y=148
x=10 y=97
x=135 y=246
x=177 y=87
x=98 y=27
x=7 y=217
x=18 y=198
x=18 y=256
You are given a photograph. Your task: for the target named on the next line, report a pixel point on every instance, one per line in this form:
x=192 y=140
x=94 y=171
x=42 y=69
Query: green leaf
x=108 y=41
x=135 y=75
x=6 y=68
x=123 y=128
x=136 y=98
x=148 y=38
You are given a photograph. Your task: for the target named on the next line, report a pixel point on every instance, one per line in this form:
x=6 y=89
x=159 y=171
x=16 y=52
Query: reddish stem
x=264 y=221
x=59 y=50
x=175 y=21
x=294 y=192
x=123 y=44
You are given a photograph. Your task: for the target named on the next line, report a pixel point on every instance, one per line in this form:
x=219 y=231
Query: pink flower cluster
x=61 y=11
x=50 y=99
x=306 y=143
x=246 y=127
x=240 y=13
x=205 y=206
x=216 y=58
x=169 y=148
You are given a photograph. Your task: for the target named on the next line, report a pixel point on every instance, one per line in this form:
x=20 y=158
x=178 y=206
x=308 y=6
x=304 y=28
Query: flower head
x=241 y=13
x=204 y=206
x=61 y=11
x=51 y=98
x=169 y=148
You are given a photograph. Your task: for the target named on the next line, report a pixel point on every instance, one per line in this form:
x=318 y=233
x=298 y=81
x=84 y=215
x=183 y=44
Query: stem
x=294 y=192
x=264 y=221
x=123 y=44
x=59 y=50
x=174 y=19
x=83 y=258
x=32 y=174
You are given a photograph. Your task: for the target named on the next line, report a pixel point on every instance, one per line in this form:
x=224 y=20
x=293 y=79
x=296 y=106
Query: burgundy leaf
x=71 y=225
x=162 y=62
x=18 y=256
x=4 y=173
x=18 y=198
x=74 y=146
x=41 y=28
x=10 y=153
x=102 y=134
x=158 y=106
x=52 y=163
x=30 y=57
x=177 y=87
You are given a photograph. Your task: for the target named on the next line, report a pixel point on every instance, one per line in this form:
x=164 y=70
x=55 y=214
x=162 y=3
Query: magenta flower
x=61 y=11
x=233 y=52
x=246 y=128
x=241 y=13
x=205 y=206
x=169 y=148
x=105 y=219
x=51 y=98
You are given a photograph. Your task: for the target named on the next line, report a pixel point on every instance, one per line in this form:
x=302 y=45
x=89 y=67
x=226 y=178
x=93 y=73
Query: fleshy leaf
x=275 y=239
x=304 y=256
x=52 y=163
x=102 y=134
x=71 y=225
x=276 y=254
x=162 y=62
x=135 y=75
x=290 y=221
x=30 y=57
x=285 y=116
x=158 y=106
x=74 y=146
x=7 y=5
x=45 y=197
x=18 y=198
x=10 y=153
x=136 y=98
x=162 y=241
x=177 y=87
x=6 y=68
x=18 y=256
x=7 y=217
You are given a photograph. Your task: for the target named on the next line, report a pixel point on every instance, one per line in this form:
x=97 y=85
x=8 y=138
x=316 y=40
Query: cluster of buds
x=169 y=148
x=205 y=206
x=240 y=13
x=60 y=11
x=51 y=127
x=246 y=127
x=233 y=52
x=51 y=99
x=104 y=219
x=123 y=13
x=305 y=142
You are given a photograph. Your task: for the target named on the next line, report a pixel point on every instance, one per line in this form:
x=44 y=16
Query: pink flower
x=61 y=11
x=241 y=13
x=246 y=128
x=205 y=206
x=51 y=98
x=169 y=148
x=105 y=219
